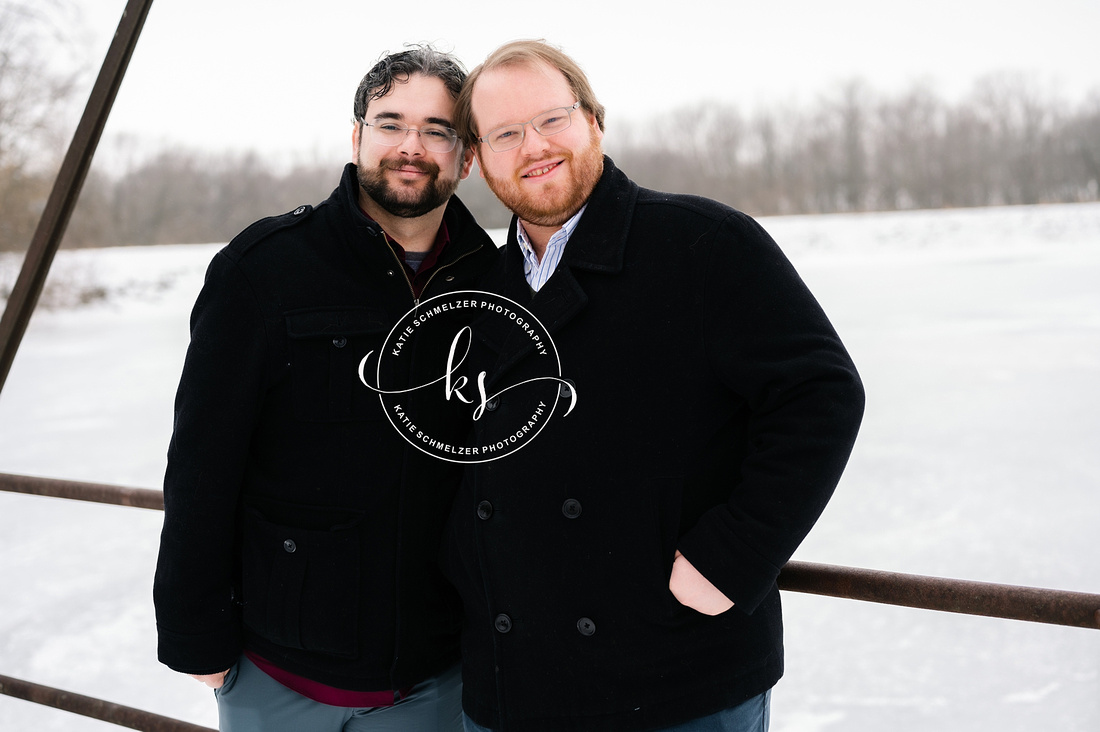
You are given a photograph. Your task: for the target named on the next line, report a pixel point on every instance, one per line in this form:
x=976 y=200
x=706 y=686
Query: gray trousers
x=252 y=701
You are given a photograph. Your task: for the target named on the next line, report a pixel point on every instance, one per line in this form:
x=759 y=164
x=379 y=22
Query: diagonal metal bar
x=66 y=188
x=87 y=706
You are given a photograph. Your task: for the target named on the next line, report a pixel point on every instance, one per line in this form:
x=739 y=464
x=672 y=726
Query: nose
x=533 y=141
x=411 y=144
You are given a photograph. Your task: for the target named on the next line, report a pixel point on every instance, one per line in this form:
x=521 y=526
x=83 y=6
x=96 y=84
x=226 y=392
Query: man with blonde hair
x=618 y=572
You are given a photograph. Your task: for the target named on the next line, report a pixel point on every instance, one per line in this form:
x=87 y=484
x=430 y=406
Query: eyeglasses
x=550 y=122
x=435 y=138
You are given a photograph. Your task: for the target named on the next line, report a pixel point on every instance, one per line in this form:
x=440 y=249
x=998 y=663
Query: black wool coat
x=298 y=523
x=715 y=412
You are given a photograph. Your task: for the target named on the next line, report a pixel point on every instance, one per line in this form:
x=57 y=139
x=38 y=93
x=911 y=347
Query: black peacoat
x=715 y=411
x=298 y=523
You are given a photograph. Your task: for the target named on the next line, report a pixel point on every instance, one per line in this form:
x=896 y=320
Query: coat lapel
x=597 y=245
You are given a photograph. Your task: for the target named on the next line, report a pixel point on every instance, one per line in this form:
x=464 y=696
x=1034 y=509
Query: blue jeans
x=751 y=716
x=252 y=701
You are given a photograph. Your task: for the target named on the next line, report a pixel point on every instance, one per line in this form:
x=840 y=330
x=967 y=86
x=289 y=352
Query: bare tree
x=908 y=151
x=30 y=95
x=1022 y=118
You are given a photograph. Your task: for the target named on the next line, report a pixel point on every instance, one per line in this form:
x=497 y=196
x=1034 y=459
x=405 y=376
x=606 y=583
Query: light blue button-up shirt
x=536 y=272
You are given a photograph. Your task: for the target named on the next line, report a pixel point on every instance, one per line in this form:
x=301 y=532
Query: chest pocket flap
x=326 y=346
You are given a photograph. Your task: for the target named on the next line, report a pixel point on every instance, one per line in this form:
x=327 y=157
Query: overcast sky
x=278 y=76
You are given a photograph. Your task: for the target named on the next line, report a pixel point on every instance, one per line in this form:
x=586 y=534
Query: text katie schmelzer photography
x=458 y=318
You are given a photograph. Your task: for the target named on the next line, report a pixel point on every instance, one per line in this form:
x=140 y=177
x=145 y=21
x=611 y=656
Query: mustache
x=424 y=166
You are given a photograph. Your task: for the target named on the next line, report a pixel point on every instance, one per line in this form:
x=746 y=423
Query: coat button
x=299 y=211
x=492 y=404
x=340 y=342
x=571 y=508
x=391 y=273
x=503 y=623
x=484 y=510
x=565 y=389
x=290 y=546
x=586 y=627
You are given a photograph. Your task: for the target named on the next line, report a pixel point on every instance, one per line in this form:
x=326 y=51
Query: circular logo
x=468 y=377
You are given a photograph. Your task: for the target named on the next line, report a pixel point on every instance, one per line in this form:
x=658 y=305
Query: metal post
x=66 y=189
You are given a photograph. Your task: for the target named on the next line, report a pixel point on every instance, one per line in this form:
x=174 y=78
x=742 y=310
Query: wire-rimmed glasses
x=436 y=138
x=547 y=123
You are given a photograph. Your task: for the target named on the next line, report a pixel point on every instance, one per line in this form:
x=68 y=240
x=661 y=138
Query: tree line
x=1011 y=140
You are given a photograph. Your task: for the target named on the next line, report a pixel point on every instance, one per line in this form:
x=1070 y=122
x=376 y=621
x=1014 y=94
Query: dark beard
x=399 y=203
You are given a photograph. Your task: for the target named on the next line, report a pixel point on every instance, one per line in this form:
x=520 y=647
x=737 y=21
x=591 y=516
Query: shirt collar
x=557 y=241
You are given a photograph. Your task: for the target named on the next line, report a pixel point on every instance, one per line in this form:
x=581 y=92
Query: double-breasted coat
x=716 y=408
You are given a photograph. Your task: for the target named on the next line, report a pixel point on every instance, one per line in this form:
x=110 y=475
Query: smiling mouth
x=541 y=171
x=413 y=167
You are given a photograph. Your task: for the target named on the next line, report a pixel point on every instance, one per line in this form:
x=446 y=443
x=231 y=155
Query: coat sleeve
x=769 y=341
x=217 y=404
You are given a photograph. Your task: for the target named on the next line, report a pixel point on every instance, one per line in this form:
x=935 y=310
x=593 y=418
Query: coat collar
x=599 y=241
x=597 y=245
x=365 y=234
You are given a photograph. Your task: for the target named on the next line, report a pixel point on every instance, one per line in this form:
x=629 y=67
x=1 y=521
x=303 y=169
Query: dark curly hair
x=398 y=67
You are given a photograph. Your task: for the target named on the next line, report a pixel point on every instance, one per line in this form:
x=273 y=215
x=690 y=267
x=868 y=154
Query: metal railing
x=87 y=706
x=1029 y=604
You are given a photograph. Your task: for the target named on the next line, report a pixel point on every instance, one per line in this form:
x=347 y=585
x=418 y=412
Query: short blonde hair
x=524 y=53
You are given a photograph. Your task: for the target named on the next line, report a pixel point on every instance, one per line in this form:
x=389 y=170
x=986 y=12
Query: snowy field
x=977 y=334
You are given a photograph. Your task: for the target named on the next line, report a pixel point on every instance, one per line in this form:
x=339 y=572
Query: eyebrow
x=398 y=116
x=551 y=109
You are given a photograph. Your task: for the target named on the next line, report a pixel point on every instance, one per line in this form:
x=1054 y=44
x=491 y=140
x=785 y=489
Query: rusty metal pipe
x=1031 y=604
x=94 y=492
x=66 y=188
x=87 y=706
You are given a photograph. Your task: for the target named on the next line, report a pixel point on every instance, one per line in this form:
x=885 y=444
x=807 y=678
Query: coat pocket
x=300 y=586
x=326 y=346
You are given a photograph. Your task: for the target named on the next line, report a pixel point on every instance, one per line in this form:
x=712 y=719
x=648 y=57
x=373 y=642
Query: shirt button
x=290 y=546
x=503 y=623
x=565 y=389
x=586 y=627
x=484 y=510
x=340 y=342
x=571 y=508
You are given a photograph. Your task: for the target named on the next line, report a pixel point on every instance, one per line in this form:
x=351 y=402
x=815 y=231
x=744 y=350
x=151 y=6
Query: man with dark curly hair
x=298 y=572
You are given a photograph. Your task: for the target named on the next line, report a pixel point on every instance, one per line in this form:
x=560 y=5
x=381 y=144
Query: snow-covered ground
x=977 y=333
